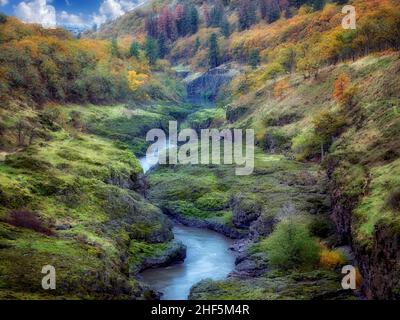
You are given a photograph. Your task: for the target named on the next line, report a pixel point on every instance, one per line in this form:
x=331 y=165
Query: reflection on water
x=208 y=256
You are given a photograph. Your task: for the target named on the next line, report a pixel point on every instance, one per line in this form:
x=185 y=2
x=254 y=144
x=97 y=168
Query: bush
x=291 y=246
x=28 y=220
x=330 y=259
x=306 y=144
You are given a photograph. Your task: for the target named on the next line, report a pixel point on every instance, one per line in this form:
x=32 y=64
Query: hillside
x=324 y=105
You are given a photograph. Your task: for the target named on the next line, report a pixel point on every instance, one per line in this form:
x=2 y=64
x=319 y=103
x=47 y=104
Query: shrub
x=330 y=259
x=291 y=246
x=306 y=144
x=28 y=220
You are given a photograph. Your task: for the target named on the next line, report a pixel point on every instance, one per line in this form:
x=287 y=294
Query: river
x=208 y=257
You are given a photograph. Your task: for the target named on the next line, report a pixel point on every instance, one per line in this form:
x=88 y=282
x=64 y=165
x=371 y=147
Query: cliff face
x=207 y=85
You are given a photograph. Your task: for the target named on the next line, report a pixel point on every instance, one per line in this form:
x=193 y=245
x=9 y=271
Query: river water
x=208 y=257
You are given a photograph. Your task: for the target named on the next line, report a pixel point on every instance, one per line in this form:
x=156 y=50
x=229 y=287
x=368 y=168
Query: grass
x=82 y=187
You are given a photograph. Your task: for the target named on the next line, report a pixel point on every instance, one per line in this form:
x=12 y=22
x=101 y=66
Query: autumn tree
x=281 y=89
x=166 y=23
x=136 y=80
x=340 y=86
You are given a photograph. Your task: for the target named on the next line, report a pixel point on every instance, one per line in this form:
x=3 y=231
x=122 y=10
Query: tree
x=167 y=24
x=162 y=46
x=281 y=89
x=151 y=50
x=134 y=50
x=114 y=48
x=246 y=14
x=225 y=27
x=151 y=25
x=318 y=4
x=270 y=10
x=217 y=14
x=206 y=14
x=254 y=58
x=136 y=80
x=340 y=86
x=197 y=45
x=194 y=19
x=213 y=51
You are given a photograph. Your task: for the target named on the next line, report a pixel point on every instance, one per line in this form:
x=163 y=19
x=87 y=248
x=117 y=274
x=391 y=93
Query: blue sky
x=76 y=12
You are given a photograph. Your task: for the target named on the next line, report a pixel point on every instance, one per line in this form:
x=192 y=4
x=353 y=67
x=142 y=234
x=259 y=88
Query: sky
x=50 y=13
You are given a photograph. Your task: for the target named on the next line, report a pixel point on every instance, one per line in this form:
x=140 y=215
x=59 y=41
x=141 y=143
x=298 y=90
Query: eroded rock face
x=175 y=253
x=245 y=211
x=207 y=85
x=380 y=265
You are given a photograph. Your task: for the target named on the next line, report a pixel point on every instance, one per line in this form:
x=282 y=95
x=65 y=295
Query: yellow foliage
x=136 y=80
x=330 y=259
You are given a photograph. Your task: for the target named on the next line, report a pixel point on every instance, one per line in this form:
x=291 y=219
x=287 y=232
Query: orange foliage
x=330 y=259
x=340 y=86
x=281 y=89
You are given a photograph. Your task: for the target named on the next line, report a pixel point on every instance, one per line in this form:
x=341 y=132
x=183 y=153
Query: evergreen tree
x=134 y=49
x=162 y=46
x=318 y=4
x=151 y=25
x=217 y=14
x=254 y=58
x=213 y=51
x=225 y=28
x=246 y=14
x=194 y=19
x=197 y=45
x=151 y=50
x=273 y=12
x=114 y=48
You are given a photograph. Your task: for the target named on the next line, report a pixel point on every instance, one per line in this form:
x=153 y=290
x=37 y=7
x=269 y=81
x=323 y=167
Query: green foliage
x=254 y=58
x=306 y=144
x=134 y=49
x=213 y=51
x=151 y=50
x=290 y=246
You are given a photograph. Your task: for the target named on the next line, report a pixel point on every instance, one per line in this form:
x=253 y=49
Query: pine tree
x=151 y=25
x=134 y=50
x=246 y=14
x=194 y=19
x=151 y=50
x=318 y=4
x=217 y=14
x=226 y=28
x=114 y=48
x=162 y=46
x=213 y=51
x=254 y=58
x=197 y=45
x=273 y=12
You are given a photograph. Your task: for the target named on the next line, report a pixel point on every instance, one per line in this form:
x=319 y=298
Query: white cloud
x=68 y=18
x=112 y=9
x=37 y=11
x=3 y=2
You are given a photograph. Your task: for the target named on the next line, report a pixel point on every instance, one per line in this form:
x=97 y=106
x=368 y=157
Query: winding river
x=208 y=257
